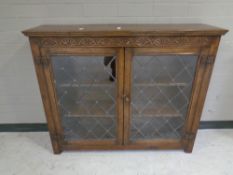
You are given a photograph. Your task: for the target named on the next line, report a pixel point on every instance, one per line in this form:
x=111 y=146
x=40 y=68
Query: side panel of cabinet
x=86 y=104
x=160 y=85
x=201 y=84
x=52 y=124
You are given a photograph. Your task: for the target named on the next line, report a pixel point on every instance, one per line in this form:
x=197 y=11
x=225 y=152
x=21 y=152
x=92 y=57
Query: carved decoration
x=159 y=42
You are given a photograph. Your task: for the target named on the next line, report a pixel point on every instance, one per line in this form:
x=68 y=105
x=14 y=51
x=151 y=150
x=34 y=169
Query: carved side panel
x=156 y=42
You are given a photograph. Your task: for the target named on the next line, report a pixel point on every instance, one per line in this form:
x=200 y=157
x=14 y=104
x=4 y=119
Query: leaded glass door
x=88 y=83
x=158 y=88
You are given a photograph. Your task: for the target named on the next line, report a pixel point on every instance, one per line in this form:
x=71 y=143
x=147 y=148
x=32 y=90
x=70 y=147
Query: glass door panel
x=161 y=88
x=86 y=89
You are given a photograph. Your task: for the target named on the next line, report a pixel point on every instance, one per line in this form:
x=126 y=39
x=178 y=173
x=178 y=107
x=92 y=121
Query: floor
x=30 y=153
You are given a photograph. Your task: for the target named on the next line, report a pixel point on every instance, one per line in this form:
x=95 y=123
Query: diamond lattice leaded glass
x=86 y=87
x=161 y=88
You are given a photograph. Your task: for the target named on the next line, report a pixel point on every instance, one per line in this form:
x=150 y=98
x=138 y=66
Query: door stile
x=48 y=72
x=127 y=93
x=120 y=93
x=36 y=52
x=203 y=75
x=194 y=108
x=187 y=133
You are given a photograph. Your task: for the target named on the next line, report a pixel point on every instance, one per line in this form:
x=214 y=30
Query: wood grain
x=139 y=41
x=95 y=30
x=124 y=42
x=45 y=98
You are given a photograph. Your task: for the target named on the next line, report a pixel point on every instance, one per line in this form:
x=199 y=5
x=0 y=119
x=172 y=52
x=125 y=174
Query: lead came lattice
x=86 y=96
x=161 y=88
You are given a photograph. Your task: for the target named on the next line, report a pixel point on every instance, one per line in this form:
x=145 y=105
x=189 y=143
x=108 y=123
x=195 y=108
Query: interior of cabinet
x=161 y=89
x=86 y=92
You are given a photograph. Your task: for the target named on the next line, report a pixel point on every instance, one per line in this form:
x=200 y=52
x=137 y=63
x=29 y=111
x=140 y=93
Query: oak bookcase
x=123 y=86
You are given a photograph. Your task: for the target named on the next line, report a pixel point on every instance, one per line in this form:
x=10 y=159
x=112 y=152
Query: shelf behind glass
x=159 y=105
x=90 y=110
x=109 y=84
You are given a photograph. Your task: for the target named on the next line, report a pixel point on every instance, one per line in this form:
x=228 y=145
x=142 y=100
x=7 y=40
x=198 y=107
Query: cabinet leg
x=189 y=147
x=57 y=151
x=56 y=148
x=188 y=150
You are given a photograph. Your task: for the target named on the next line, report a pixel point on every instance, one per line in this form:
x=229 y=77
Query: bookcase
x=125 y=86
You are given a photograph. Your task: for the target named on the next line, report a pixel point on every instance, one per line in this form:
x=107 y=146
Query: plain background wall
x=20 y=100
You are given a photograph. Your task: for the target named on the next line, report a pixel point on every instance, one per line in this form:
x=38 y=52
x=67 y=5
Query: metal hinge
x=42 y=61
x=56 y=137
x=208 y=61
x=189 y=136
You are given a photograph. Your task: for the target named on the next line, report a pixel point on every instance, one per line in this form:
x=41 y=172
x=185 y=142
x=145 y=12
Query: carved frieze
x=159 y=42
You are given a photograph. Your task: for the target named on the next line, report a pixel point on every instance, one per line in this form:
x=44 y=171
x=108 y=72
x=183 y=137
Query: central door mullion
x=127 y=94
x=120 y=93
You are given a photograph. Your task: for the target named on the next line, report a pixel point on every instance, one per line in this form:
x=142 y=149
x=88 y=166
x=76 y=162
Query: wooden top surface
x=126 y=30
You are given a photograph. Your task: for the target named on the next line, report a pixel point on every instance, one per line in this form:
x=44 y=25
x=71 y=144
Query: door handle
x=126 y=98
